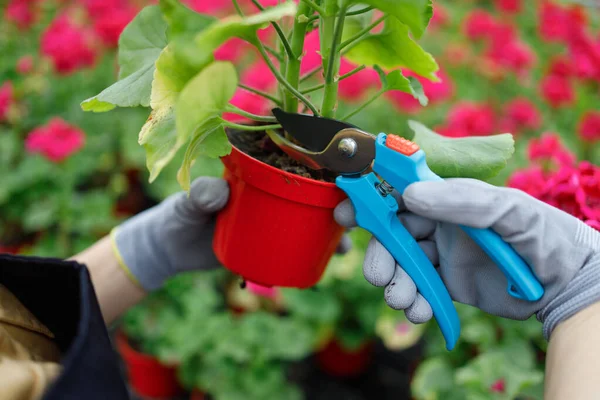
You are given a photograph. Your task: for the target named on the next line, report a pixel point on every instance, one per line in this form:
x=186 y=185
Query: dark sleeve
x=60 y=294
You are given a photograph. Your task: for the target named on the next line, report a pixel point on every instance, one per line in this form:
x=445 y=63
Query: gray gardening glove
x=176 y=235
x=563 y=252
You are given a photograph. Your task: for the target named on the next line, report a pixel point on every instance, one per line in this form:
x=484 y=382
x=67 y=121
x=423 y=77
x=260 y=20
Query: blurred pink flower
x=549 y=148
x=100 y=8
x=556 y=23
x=109 y=26
x=68 y=46
x=498 y=387
x=263 y=291
x=531 y=180
x=6 y=99
x=21 y=13
x=56 y=140
x=514 y=55
x=479 y=24
x=439 y=18
x=232 y=50
x=25 y=65
x=519 y=114
x=589 y=126
x=509 y=6
x=470 y=119
x=312 y=57
x=557 y=90
x=259 y=76
x=560 y=66
x=436 y=92
x=356 y=86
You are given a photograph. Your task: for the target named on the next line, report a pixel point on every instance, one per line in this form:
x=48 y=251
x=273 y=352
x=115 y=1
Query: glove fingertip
x=379 y=265
x=344 y=214
x=209 y=194
x=420 y=311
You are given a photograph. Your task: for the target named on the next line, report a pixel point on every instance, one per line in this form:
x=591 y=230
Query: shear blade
x=314 y=133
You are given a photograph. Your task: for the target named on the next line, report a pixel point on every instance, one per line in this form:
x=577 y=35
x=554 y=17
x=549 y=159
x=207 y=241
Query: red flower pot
x=277 y=228
x=335 y=360
x=147 y=376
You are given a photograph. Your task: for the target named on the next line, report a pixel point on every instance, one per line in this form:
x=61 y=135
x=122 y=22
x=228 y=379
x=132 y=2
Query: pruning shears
x=358 y=158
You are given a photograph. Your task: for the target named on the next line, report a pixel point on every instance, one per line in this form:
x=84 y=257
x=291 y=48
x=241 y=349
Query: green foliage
x=472 y=157
x=413 y=13
x=139 y=47
x=396 y=81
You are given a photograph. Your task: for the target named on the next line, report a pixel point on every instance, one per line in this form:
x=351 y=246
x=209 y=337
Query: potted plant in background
x=167 y=62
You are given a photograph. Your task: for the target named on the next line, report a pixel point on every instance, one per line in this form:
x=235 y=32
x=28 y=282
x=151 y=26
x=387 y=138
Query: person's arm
x=115 y=290
x=573 y=357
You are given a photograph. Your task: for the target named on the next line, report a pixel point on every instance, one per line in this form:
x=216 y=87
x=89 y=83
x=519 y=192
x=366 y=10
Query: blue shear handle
x=377 y=214
x=401 y=170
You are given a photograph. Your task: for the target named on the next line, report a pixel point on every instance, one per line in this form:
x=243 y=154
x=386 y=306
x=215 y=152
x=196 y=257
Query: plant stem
x=238 y=9
x=332 y=65
x=282 y=79
x=358 y=12
x=310 y=74
x=249 y=127
x=261 y=93
x=314 y=6
x=363 y=32
x=292 y=73
x=260 y=118
x=346 y=75
x=279 y=31
x=275 y=54
x=365 y=105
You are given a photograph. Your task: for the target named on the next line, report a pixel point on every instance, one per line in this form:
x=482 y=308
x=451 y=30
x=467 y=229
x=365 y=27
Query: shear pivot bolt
x=347 y=147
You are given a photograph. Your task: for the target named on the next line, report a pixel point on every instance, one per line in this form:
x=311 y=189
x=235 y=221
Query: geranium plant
x=172 y=60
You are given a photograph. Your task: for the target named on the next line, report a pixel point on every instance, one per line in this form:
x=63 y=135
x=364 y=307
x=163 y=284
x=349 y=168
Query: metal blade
x=314 y=133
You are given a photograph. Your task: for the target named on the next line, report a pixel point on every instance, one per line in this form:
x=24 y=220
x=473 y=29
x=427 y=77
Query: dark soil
x=258 y=145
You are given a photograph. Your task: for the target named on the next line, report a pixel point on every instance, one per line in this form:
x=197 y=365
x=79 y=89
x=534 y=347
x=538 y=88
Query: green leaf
x=183 y=20
x=395 y=80
x=140 y=45
x=480 y=157
x=432 y=378
x=158 y=137
x=414 y=13
x=198 y=112
x=199 y=51
x=394 y=48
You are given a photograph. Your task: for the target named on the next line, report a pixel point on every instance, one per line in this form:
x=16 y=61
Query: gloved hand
x=176 y=235
x=563 y=252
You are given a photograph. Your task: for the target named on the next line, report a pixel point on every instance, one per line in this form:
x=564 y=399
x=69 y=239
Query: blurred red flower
x=512 y=54
x=509 y=6
x=356 y=86
x=557 y=90
x=100 y=8
x=212 y=7
x=312 y=57
x=109 y=26
x=25 y=65
x=56 y=140
x=232 y=50
x=549 y=148
x=531 y=180
x=589 y=126
x=498 y=387
x=556 y=23
x=436 y=92
x=21 y=13
x=67 y=45
x=439 y=18
x=6 y=99
x=560 y=66
x=469 y=119
x=520 y=114
x=479 y=24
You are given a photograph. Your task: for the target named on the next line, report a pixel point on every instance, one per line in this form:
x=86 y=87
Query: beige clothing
x=29 y=357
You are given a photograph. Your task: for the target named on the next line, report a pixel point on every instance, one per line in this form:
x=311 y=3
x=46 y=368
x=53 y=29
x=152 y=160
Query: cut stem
x=260 y=118
x=261 y=94
x=292 y=73
x=249 y=127
x=363 y=106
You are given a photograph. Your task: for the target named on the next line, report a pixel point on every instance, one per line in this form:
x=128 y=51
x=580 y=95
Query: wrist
x=582 y=292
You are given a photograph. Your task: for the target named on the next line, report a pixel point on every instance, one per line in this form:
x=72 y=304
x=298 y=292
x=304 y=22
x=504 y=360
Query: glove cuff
x=581 y=292
x=119 y=257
